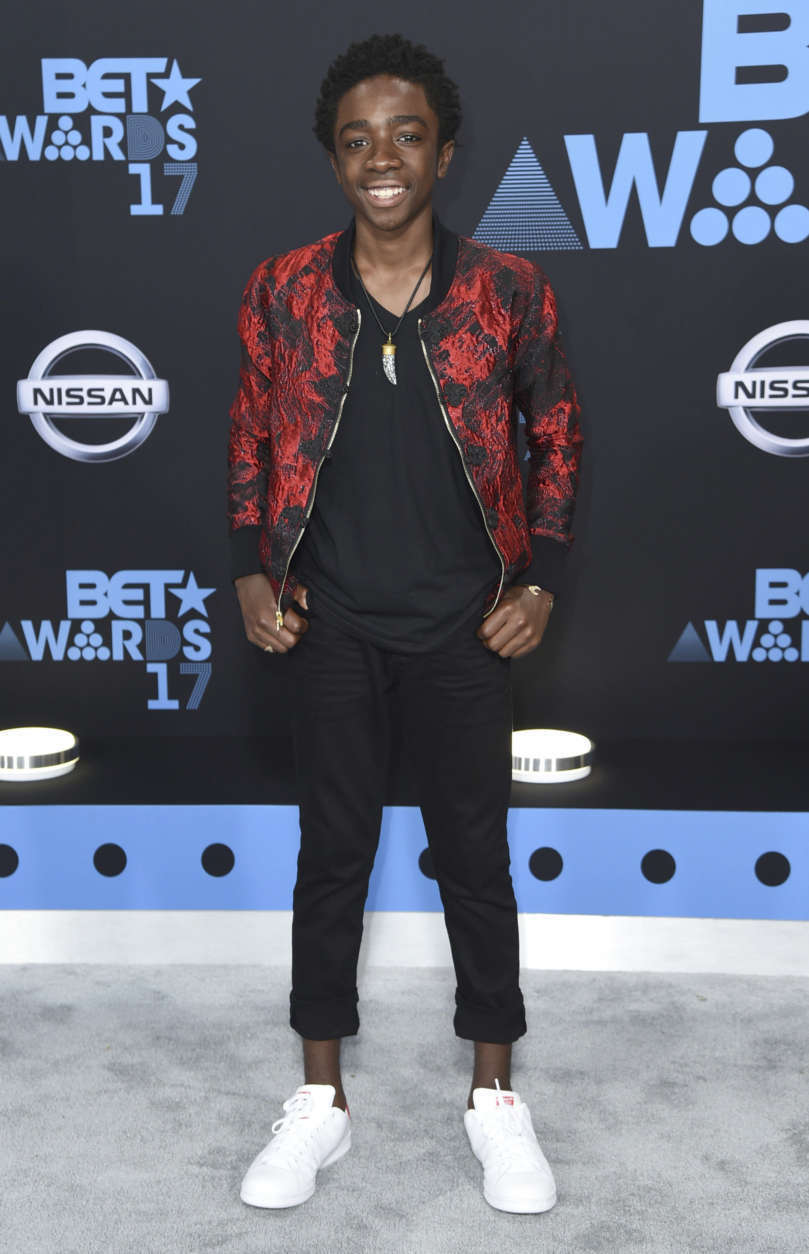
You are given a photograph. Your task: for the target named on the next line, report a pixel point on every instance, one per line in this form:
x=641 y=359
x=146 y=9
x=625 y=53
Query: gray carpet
x=673 y=1110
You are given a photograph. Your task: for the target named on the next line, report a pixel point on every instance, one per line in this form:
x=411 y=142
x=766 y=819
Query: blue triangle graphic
x=10 y=648
x=689 y=648
x=525 y=214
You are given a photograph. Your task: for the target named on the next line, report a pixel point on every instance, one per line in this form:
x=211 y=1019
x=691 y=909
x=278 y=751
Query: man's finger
x=523 y=650
x=491 y=625
x=282 y=641
x=294 y=623
x=288 y=634
x=262 y=639
x=512 y=633
x=501 y=639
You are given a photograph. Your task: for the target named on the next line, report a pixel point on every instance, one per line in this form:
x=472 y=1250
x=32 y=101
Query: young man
x=381 y=539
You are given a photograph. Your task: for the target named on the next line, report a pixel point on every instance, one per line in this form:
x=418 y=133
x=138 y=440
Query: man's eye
x=352 y=143
x=409 y=137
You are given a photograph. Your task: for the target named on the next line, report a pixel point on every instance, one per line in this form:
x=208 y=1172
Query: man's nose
x=383 y=155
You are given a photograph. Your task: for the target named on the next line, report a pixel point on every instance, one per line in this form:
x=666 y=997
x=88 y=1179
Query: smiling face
x=386 y=155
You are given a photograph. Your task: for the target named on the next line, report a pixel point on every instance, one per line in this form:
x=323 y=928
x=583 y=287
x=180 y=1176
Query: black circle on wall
x=218 y=860
x=109 y=860
x=658 y=866
x=545 y=863
x=426 y=864
x=773 y=869
x=9 y=861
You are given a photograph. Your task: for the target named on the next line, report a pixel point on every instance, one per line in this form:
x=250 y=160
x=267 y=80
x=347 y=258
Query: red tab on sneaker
x=490 y=1099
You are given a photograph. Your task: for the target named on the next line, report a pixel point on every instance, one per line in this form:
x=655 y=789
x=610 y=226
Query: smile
x=387 y=194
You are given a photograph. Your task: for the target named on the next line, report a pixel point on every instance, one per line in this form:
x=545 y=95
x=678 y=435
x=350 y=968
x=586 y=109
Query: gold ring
x=268 y=648
x=536 y=589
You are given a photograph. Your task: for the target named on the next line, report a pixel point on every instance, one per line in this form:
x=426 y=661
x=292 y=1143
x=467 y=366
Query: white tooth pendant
x=389 y=360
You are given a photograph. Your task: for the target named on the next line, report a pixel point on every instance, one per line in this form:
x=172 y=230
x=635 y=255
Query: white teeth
x=384 y=193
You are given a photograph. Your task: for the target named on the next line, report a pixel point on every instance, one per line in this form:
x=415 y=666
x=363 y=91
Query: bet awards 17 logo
x=778 y=632
x=154 y=617
x=752 y=68
x=129 y=109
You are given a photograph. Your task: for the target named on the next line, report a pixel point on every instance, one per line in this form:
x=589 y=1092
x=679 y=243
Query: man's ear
x=444 y=158
x=334 y=166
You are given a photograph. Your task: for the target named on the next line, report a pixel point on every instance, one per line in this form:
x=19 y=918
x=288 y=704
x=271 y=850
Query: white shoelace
x=508 y=1131
x=290 y=1140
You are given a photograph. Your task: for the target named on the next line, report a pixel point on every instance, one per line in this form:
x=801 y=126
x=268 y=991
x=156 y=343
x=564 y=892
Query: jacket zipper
x=279 y=617
x=470 y=481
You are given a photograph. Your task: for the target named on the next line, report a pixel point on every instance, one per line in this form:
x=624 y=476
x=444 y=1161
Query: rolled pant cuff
x=324 y=1020
x=473 y=1024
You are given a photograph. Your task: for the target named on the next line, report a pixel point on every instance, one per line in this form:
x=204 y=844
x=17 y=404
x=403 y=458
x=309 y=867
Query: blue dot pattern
x=88 y=645
x=733 y=186
x=66 y=142
x=775 y=645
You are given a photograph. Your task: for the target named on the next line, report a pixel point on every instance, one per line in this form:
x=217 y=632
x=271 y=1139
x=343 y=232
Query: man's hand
x=518 y=624
x=258 y=606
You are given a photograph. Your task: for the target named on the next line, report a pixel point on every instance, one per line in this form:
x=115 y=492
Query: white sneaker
x=312 y=1134
x=516 y=1175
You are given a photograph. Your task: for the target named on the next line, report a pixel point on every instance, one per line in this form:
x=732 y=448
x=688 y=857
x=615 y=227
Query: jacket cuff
x=548 y=564
x=244 y=558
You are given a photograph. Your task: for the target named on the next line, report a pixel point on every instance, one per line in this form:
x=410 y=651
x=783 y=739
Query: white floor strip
x=553 y=942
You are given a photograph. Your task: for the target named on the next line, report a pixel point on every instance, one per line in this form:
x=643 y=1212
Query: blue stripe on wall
x=715 y=855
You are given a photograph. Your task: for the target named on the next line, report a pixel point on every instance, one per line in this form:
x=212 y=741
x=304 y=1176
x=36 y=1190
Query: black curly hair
x=387 y=54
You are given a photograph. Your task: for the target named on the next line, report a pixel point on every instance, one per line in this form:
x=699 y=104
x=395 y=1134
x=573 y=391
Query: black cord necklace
x=388 y=346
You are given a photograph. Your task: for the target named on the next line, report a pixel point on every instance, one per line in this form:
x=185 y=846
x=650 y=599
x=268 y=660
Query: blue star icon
x=175 y=88
x=191 y=596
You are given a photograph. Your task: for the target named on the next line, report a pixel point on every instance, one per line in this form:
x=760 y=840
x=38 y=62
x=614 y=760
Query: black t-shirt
x=396 y=550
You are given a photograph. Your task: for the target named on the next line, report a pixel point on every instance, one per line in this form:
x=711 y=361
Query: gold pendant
x=389 y=360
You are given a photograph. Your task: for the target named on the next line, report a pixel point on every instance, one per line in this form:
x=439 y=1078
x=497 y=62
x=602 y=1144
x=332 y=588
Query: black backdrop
x=677 y=511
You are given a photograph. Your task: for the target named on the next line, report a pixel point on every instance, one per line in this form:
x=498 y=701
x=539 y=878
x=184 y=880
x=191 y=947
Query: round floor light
x=545 y=755
x=28 y=753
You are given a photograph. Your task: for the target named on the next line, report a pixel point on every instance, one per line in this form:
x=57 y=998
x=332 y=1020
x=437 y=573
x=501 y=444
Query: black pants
x=456 y=711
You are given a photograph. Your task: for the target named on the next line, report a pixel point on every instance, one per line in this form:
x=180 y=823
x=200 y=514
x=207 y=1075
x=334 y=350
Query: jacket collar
x=444 y=261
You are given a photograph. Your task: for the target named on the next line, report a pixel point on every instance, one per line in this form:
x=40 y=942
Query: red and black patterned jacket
x=492 y=347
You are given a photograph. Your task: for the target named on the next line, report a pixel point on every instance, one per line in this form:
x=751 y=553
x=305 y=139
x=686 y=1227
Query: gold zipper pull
x=279 y=619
